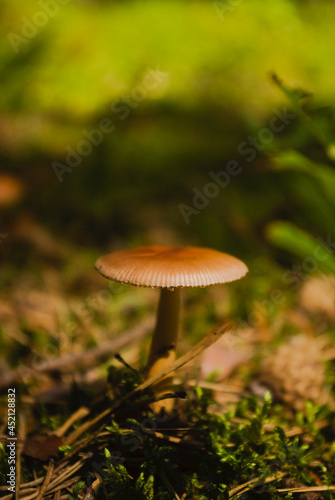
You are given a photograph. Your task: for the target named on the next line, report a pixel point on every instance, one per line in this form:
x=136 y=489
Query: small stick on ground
x=169 y=486
x=239 y=490
x=87 y=358
x=20 y=444
x=46 y=480
x=77 y=415
x=307 y=490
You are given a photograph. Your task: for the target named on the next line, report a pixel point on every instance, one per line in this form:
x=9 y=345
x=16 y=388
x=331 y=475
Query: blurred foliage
x=215 y=91
x=313 y=187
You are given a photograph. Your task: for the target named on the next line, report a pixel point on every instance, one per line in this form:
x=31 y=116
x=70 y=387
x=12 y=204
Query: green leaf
x=255 y=430
x=292 y=239
x=113 y=427
x=322 y=173
x=146 y=485
x=78 y=487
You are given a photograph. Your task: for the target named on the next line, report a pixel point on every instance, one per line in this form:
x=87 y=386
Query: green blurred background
x=195 y=80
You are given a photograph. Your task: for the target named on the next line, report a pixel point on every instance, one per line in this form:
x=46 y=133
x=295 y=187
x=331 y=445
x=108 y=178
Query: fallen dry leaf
x=42 y=447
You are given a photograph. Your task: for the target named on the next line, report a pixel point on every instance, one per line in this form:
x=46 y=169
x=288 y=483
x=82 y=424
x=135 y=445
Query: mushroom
x=168 y=268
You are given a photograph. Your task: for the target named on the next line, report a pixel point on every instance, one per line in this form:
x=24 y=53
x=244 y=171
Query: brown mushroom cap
x=170 y=267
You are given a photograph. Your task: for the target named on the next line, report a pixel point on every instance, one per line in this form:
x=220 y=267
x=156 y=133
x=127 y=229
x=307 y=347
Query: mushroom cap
x=170 y=267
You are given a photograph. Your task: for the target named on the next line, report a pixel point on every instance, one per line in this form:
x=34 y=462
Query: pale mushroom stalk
x=164 y=340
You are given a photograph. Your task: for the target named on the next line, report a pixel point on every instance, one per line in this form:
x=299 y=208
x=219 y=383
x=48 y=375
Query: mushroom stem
x=164 y=340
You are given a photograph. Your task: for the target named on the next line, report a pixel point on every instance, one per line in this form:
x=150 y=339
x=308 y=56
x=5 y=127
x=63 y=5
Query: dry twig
x=87 y=358
x=239 y=490
x=46 y=481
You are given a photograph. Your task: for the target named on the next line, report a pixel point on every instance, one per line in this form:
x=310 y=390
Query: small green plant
x=245 y=447
x=309 y=177
x=77 y=489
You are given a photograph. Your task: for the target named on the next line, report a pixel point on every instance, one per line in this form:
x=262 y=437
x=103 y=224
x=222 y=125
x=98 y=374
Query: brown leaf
x=222 y=361
x=42 y=447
